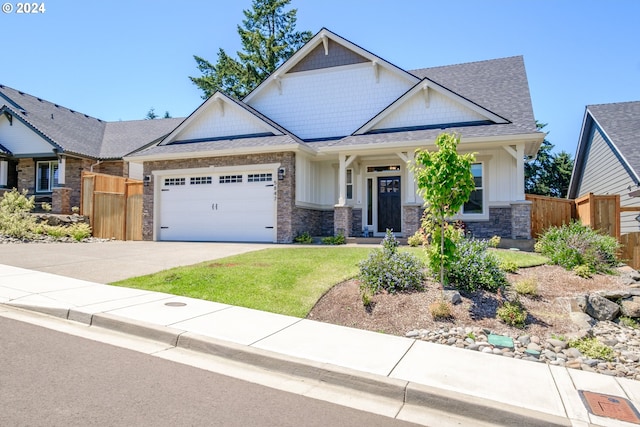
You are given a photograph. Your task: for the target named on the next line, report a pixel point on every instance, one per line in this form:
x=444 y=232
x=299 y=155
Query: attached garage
x=214 y=205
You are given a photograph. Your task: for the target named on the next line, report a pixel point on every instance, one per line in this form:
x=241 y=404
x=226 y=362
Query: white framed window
x=173 y=181
x=475 y=205
x=230 y=179
x=200 y=180
x=46 y=176
x=259 y=177
x=349 y=184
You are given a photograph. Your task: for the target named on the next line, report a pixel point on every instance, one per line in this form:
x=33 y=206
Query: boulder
x=631 y=306
x=452 y=296
x=578 y=303
x=582 y=320
x=601 y=308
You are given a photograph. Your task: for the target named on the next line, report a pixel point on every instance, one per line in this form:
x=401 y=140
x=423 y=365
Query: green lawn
x=520 y=258
x=280 y=280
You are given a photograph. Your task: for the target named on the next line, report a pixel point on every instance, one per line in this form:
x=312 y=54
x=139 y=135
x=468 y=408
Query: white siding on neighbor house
x=20 y=139
x=216 y=122
x=334 y=102
x=604 y=173
x=440 y=110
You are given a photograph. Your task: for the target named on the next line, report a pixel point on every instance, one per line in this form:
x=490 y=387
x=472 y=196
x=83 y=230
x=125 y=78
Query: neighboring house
x=44 y=147
x=324 y=143
x=607 y=160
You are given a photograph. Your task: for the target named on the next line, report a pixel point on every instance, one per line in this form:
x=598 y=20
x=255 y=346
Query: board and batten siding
x=20 y=139
x=315 y=183
x=604 y=173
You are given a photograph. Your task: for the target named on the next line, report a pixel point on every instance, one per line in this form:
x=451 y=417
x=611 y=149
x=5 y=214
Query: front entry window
x=46 y=176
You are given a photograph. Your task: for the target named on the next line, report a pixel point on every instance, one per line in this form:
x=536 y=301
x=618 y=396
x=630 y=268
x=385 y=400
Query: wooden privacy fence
x=113 y=205
x=598 y=212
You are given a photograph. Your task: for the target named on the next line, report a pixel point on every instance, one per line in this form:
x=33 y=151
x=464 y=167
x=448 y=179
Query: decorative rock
x=452 y=296
x=578 y=303
x=582 y=320
x=535 y=347
x=631 y=306
x=524 y=339
x=601 y=308
x=557 y=343
x=614 y=295
x=412 y=334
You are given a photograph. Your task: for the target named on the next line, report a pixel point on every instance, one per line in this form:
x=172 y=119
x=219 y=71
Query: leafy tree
x=549 y=174
x=268 y=39
x=445 y=182
x=167 y=115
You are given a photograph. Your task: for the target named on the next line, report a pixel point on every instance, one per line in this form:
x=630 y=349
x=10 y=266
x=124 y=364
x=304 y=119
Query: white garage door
x=238 y=207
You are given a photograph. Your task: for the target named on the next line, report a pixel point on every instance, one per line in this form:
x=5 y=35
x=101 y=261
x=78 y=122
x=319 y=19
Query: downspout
x=95 y=164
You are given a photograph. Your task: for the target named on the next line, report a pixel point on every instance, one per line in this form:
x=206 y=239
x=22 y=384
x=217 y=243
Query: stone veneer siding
x=499 y=224
x=521 y=220
x=285 y=188
x=316 y=222
x=343 y=220
x=73 y=174
x=411 y=219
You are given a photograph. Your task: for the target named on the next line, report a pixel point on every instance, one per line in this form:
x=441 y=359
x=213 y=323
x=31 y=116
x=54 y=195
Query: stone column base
x=61 y=200
x=521 y=220
x=411 y=219
x=342 y=220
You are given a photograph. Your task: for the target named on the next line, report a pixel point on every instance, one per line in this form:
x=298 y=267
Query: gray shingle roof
x=621 y=122
x=79 y=133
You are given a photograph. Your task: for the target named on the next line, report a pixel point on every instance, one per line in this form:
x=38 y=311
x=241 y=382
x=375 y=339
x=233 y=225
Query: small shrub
x=441 y=309
x=593 y=349
x=79 y=231
x=475 y=268
x=583 y=271
x=494 y=242
x=390 y=270
x=526 y=287
x=75 y=209
x=575 y=244
x=15 y=220
x=628 y=322
x=512 y=313
x=46 y=206
x=334 y=240
x=55 y=231
x=304 y=238
x=508 y=266
x=419 y=238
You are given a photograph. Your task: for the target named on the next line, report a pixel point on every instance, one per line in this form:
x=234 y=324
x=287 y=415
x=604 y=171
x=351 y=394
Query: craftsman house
x=607 y=160
x=324 y=144
x=44 y=147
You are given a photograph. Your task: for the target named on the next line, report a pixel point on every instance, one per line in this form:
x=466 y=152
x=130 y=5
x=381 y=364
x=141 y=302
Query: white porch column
x=520 y=171
x=410 y=190
x=345 y=162
x=61 y=171
x=4 y=172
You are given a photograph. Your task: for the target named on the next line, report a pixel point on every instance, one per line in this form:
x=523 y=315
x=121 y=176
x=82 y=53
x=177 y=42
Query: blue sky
x=116 y=59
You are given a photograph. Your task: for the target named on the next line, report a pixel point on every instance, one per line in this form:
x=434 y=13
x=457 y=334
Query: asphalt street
x=51 y=378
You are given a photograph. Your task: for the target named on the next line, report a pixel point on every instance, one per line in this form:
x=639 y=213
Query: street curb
x=478 y=408
x=290 y=365
x=163 y=334
x=406 y=393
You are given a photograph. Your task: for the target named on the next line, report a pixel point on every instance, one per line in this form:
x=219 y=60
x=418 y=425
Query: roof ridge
x=467 y=63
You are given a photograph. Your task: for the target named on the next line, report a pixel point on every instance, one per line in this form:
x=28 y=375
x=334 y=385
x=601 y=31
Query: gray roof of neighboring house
x=621 y=123
x=78 y=133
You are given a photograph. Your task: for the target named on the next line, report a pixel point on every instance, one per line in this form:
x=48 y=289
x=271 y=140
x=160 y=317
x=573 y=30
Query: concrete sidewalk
x=488 y=389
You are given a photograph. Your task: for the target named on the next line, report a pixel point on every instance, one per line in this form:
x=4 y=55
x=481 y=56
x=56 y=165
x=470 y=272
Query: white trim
x=159 y=175
x=4 y=173
x=220 y=153
x=325 y=34
x=422 y=87
x=62 y=171
x=217 y=100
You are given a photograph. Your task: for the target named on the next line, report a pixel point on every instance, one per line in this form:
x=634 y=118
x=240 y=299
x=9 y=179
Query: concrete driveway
x=108 y=262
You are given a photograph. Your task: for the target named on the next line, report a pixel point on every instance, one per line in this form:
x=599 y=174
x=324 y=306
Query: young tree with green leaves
x=268 y=39
x=445 y=182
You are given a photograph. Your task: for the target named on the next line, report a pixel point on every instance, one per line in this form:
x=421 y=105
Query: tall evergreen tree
x=548 y=174
x=268 y=38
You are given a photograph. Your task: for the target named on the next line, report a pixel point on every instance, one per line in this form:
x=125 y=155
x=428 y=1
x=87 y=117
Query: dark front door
x=389 y=206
